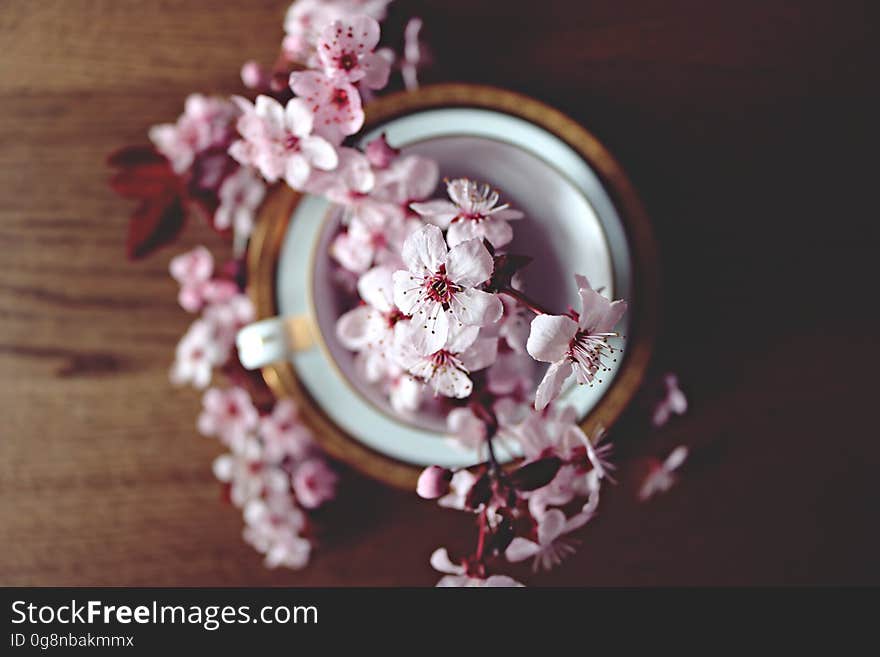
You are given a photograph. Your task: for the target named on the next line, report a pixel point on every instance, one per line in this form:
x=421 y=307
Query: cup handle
x=273 y=340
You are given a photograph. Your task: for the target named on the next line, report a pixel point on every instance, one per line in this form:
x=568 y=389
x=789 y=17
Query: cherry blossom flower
x=274 y=530
x=229 y=415
x=661 y=476
x=192 y=270
x=438 y=288
x=380 y=153
x=469 y=432
x=336 y=104
x=447 y=369
x=405 y=180
x=349 y=183
x=206 y=122
x=345 y=51
x=306 y=19
x=279 y=141
x=240 y=196
x=243 y=472
x=227 y=316
x=672 y=401
x=474 y=213
x=198 y=352
x=514 y=326
x=369 y=328
x=313 y=482
x=457 y=576
x=551 y=547
x=374 y=235
x=400 y=180
x=574 y=345
x=283 y=434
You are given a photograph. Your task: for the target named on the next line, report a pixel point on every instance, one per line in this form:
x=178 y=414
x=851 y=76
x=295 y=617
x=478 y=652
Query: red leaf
x=144 y=181
x=146 y=175
x=130 y=156
x=155 y=222
x=536 y=474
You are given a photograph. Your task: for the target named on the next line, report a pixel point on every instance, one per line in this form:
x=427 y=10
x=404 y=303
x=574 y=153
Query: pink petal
x=551 y=384
x=406 y=291
x=551 y=526
x=609 y=320
x=459 y=191
x=461 y=337
x=501 y=581
x=352 y=328
x=298 y=117
x=376 y=71
x=480 y=354
x=425 y=249
x=441 y=562
x=351 y=252
x=497 y=231
x=677 y=401
x=550 y=337
x=376 y=287
x=451 y=382
x=676 y=458
x=422 y=176
x=297 y=171
x=271 y=111
x=521 y=549
x=593 y=308
x=463 y=230
x=432 y=329
x=438 y=212
x=476 y=308
x=469 y=264
x=319 y=153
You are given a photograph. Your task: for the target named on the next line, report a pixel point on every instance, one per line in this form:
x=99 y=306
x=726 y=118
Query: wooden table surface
x=745 y=126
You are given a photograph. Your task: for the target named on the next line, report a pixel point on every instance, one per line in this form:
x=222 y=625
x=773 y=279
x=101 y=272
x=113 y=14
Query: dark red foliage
x=536 y=474
x=145 y=175
x=480 y=492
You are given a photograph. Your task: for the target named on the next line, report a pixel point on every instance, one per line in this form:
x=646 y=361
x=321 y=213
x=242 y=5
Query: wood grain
x=744 y=125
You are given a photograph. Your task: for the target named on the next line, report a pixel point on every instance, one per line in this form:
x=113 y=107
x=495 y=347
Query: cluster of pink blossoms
x=210 y=340
x=196 y=146
x=441 y=313
x=272 y=471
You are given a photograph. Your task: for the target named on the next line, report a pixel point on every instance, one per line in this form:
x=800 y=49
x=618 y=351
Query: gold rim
x=271 y=225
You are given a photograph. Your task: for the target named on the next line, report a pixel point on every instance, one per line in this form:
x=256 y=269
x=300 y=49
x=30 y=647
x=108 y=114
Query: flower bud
x=433 y=482
x=252 y=75
x=379 y=152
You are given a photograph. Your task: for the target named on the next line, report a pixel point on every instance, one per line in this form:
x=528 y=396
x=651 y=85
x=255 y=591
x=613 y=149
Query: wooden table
x=744 y=125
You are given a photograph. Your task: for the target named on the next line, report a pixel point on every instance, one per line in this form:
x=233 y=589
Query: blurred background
x=747 y=127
